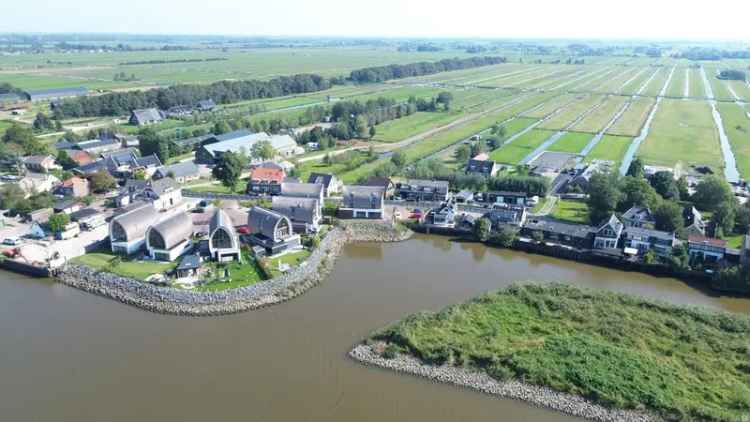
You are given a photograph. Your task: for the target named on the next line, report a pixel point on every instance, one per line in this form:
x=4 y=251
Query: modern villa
x=171 y=238
x=127 y=230
x=223 y=242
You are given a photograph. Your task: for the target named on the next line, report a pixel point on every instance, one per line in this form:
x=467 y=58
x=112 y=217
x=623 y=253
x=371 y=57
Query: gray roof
x=614 y=223
x=163 y=185
x=638 y=213
x=209 y=103
x=321 y=178
x=508 y=214
x=297 y=209
x=302 y=190
x=41 y=94
x=95 y=143
x=148 y=161
x=84 y=213
x=243 y=141
x=438 y=185
x=264 y=221
x=480 y=166
x=136 y=219
x=196 y=140
x=363 y=197
x=651 y=234
x=175 y=229
x=147 y=115
x=559 y=227
x=183 y=169
x=189 y=262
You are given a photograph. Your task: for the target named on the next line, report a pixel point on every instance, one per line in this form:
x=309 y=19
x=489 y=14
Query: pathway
x=730 y=164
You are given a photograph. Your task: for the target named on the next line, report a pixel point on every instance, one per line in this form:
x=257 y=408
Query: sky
x=631 y=19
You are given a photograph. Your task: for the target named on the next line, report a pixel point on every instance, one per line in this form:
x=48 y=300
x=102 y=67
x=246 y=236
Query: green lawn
x=617 y=350
x=571 y=211
x=241 y=274
x=572 y=142
x=216 y=188
x=294 y=259
x=611 y=148
x=521 y=147
x=682 y=131
x=400 y=129
x=737 y=127
x=139 y=270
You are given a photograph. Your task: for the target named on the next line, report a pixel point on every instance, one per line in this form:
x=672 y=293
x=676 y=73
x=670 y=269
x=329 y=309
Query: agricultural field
x=595 y=121
x=656 y=85
x=400 y=129
x=737 y=127
x=697 y=88
x=718 y=86
x=572 y=142
x=682 y=132
x=676 y=88
x=636 y=83
x=587 y=85
x=632 y=120
x=552 y=105
x=517 y=150
x=573 y=111
x=610 y=148
x=740 y=88
x=615 y=84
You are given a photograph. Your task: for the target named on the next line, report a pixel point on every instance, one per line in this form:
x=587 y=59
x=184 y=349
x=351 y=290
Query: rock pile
x=535 y=395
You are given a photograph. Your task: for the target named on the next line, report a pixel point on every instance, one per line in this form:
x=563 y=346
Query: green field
x=595 y=121
x=521 y=147
x=737 y=127
x=400 y=129
x=615 y=84
x=655 y=86
x=610 y=148
x=633 y=119
x=572 y=142
x=697 y=88
x=571 y=211
x=740 y=88
x=634 y=85
x=676 y=88
x=682 y=132
x=139 y=270
x=571 y=112
x=719 y=87
x=617 y=350
x=552 y=105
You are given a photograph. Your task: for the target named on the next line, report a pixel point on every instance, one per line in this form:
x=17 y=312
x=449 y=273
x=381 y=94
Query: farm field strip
x=615 y=84
x=571 y=142
x=551 y=105
x=589 y=75
x=657 y=84
x=696 y=84
x=523 y=144
x=682 y=132
x=573 y=112
x=500 y=82
x=599 y=85
x=599 y=118
x=518 y=81
x=631 y=80
x=632 y=120
x=677 y=85
x=498 y=77
x=740 y=90
x=588 y=84
x=556 y=79
x=737 y=126
x=598 y=137
x=717 y=88
x=611 y=148
x=639 y=84
x=731 y=173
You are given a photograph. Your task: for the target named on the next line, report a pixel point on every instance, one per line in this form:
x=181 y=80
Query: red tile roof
x=719 y=243
x=80 y=157
x=267 y=174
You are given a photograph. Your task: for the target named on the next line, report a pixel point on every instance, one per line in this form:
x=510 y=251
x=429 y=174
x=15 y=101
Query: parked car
x=11 y=241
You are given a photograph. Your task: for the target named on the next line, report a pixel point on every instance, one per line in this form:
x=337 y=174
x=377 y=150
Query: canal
x=69 y=355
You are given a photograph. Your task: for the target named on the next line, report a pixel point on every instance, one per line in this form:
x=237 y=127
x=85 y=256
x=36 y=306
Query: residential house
x=501 y=197
x=76 y=187
x=182 y=172
x=40 y=163
x=464 y=197
x=443 y=216
x=91 y=168
x=127 y=162
x=608 y=234
x=706 y=249
x=362 y=202
x=146 y=116
x=40 y=216
x=242 y=142
x=265 y=181
x=169 y=239
x=127 y=141
x=383 y=182
x=88 y=218
x=507 y=214
x=67 y=206
x=127 y=229
x=487 y=168
x=81 y=158
x=694 y=224
x=56 y=93
x=164 y=193
x=580 y=181
x=223 y=241
x=638 y=216
x=331 y=184
x=578 y=236
x=304 y=213
x=271 y=231
x=178 y=111
x=645 y=239
x=205 y=105
x=189 y=266
x=34 y=183
x=303 y=190
x=423 y=190
x=94 y=147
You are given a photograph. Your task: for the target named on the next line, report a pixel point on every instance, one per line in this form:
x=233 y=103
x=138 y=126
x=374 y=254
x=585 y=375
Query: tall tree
x=668 y=216
x=604 y=196
x=636 y=168
x=57 y=222
x=482 y=229
x=229 y=169
x=724 y=217
x=711 y=192
x=102 y=181
x=637 y=191
x=462 y=153
x=665 y=185
x=263 y=150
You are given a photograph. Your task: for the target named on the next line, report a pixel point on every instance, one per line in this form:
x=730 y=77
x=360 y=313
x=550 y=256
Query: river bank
x=531 y=394
x=168 y=300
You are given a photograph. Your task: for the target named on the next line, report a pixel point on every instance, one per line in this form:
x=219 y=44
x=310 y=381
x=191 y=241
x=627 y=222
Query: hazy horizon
x=545 y=19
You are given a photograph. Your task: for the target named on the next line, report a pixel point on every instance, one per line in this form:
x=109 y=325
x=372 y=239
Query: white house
x=127 y=230
x=223 y=242
x=171 y=238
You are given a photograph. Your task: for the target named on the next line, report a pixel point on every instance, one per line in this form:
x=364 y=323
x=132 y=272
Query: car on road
x=11 y=241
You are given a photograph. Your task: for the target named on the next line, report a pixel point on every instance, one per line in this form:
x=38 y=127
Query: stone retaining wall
x=534 y=395
x=169 y=300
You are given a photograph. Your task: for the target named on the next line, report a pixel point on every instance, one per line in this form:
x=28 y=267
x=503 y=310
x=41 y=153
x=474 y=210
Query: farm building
x=98 y=146
x=146 y=116
x=242 y=142
x=56 y=93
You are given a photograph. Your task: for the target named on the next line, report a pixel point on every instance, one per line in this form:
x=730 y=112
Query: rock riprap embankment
x=169 y=300
x=535 y=395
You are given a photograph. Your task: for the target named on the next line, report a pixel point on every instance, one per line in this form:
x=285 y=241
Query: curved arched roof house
x=223 y=242
x=127 y=230
x=171 y=238
x=271 y=230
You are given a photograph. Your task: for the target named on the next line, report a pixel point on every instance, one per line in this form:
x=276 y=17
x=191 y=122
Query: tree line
x=400 y=71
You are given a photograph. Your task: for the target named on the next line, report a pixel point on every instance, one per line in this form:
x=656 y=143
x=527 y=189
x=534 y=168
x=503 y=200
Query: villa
x=170 y=238
x=271 y=231
x=127 y=230
x=608 y=234
x=304 y=213
x=223 y=242
x=362 y=202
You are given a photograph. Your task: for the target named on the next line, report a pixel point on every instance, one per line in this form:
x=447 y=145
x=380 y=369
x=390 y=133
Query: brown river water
x=71 y=356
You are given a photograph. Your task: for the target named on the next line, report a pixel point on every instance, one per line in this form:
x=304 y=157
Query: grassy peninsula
x=616 y=350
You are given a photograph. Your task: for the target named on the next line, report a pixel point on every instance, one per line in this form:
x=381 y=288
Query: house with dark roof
x=487 y=168
x=383 y=182
x=164 y=193
x=182 y=172
x=706 y=249
x=178 y=111
x=303 y=190
x=127 y=141
x=223 y=241
x=638 y=216
x=127 y=229
x=271 y=231
x=193 y=142
x=56 y=93
x=304 y=213
x=464 y=197
x=442 y=216
x=607 y=236
x=694 y=224
x=95 y=147
x=76 y=187
x=171 y=238
x=205 y=105
x=423 y=190
x=88 y=218
x=331 y=184
x=265 y=181
x=40 y=163
x=91 y=168
x=505 y=197
x=644 y=239
x=364 y=202
x=189 y=266
x=507 y=214
x=67 y=206
x=146 y=116
x=578 y=236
